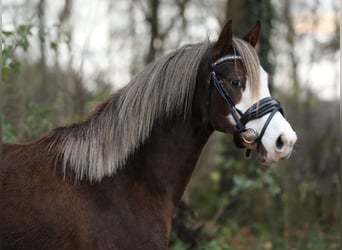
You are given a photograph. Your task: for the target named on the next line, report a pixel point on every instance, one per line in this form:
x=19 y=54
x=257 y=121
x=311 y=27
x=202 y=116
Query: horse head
x=239 y=100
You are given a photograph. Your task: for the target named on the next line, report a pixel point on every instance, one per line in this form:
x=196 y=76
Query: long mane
x=101 y=145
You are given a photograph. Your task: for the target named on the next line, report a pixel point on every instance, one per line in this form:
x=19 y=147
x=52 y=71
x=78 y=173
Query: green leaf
x=5 y=73
x=42 y=33
x=7 y=33
x=53 y=45
x=15 y=66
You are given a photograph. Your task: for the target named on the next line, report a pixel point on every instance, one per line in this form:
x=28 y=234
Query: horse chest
x=122 y=228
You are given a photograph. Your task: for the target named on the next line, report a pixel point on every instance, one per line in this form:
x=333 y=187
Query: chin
x=264 y=157
x=266 y=161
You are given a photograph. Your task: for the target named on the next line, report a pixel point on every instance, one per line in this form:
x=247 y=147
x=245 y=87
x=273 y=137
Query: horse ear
x=224 y=41
x=252 y=37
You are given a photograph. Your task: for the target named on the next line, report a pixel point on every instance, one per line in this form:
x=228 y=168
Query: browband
x=225 y=59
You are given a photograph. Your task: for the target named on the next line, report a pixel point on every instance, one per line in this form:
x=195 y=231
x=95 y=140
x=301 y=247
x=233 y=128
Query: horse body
x=114 y=181
x=137 y=202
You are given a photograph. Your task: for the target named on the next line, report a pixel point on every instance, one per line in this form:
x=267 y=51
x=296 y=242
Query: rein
x=267 y=105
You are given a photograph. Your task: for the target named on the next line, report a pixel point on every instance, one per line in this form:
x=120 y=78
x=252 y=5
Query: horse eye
x=235 y=83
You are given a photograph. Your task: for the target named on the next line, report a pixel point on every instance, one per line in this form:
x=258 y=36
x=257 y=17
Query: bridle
x=267 y=105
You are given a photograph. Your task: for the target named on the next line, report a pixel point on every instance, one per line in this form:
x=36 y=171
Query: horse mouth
x=267 y=159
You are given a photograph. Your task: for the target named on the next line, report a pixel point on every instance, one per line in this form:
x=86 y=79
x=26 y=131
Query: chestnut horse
x=114 y=180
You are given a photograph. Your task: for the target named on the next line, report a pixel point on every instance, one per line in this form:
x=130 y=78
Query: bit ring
x=249 y=136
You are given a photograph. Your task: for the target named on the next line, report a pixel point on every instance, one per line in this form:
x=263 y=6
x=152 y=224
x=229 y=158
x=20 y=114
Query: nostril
x=279 y=143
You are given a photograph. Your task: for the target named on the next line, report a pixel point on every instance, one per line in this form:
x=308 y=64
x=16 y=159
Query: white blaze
x=277 y=128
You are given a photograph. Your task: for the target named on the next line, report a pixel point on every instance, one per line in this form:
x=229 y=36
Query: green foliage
x=25 y=119
x=232 y=179
x=9 y=132
x=37 y=121
x=243 y=238
x=11 y=41
x=19 y=38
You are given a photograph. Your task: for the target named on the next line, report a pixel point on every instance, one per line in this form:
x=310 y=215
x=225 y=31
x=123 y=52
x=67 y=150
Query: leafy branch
x=12 y=40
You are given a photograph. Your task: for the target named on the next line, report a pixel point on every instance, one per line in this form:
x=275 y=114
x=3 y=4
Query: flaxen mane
x=100 y=145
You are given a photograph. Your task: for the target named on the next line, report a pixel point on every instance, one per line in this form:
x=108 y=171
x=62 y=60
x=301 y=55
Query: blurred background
x=60 y=58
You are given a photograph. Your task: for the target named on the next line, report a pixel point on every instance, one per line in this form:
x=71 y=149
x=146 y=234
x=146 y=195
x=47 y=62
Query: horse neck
x=166 y=161
x=168 y=158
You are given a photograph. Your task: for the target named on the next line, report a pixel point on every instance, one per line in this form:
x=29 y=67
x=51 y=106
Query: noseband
x=267 y=105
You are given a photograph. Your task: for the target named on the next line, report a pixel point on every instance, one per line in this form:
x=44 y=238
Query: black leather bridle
x=267 y=105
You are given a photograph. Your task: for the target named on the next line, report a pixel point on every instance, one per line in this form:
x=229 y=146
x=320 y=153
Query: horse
x=114 y=180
